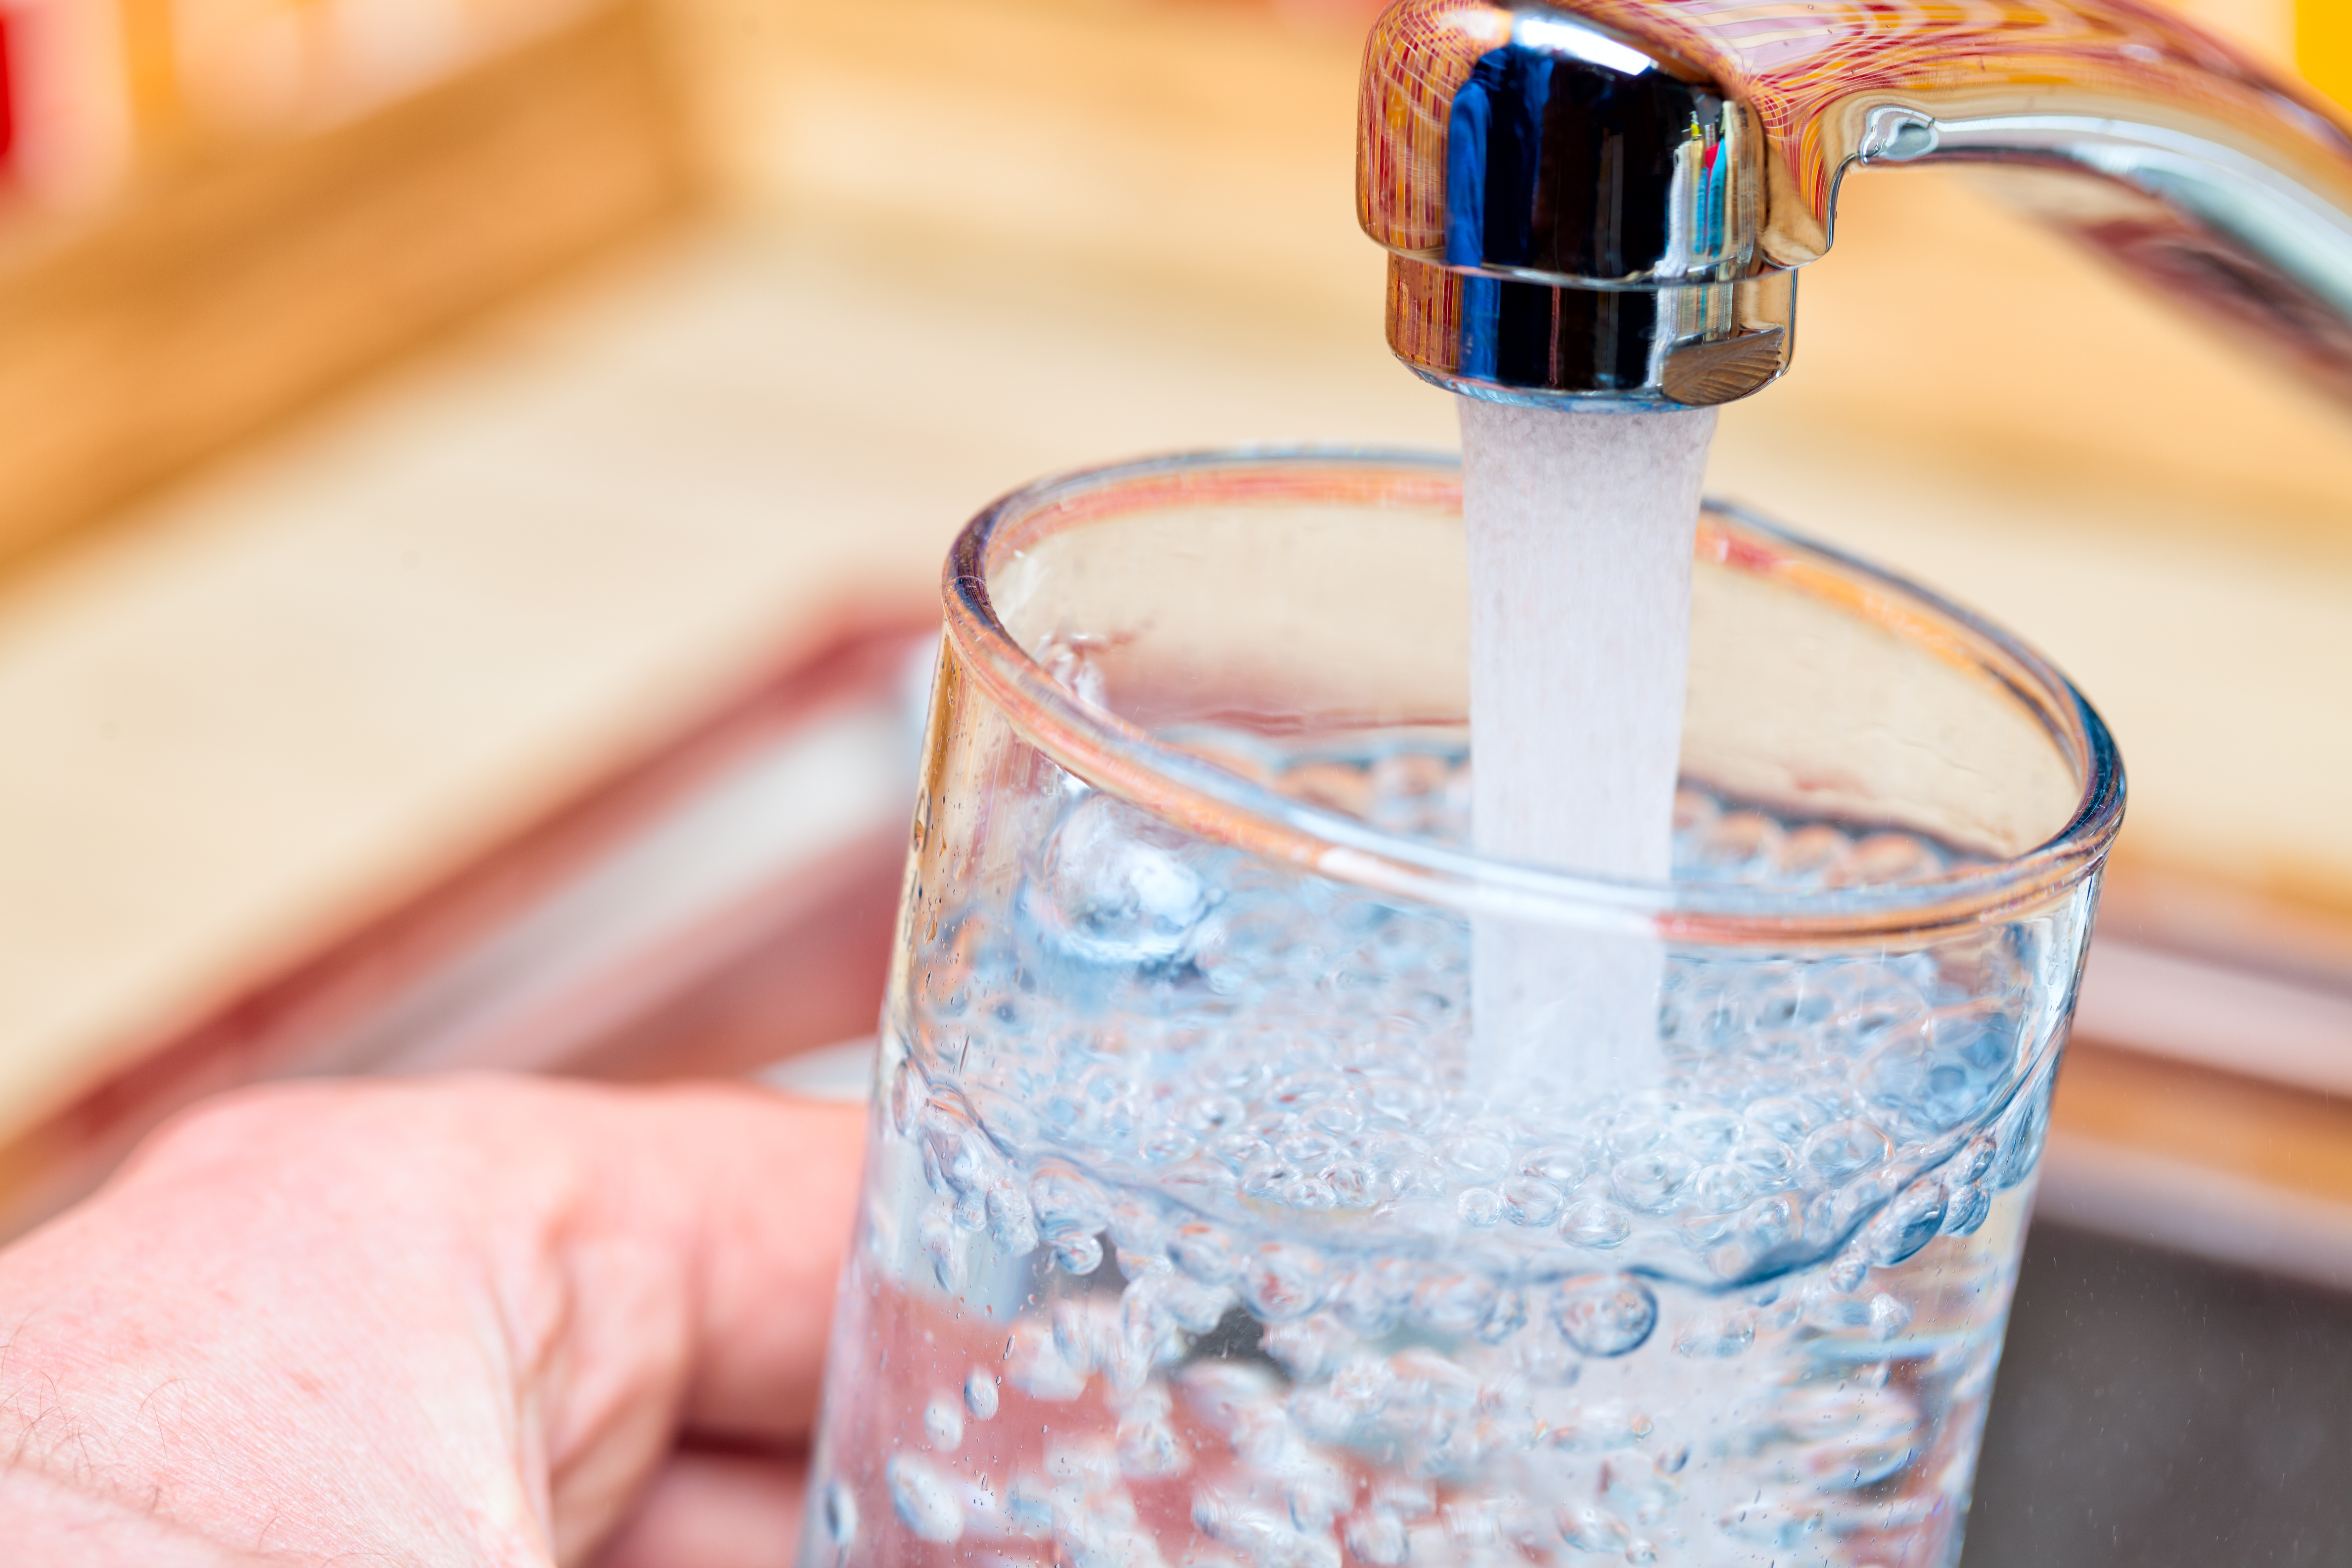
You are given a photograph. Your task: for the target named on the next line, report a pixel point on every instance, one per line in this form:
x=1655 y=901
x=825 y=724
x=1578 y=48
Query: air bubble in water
x=1605 y=1314
x=1652 y=1183
x=1478 y=1158
x=1908 y=1224
x=1078 y=1254
x=1119 y=887
x=1480 y=1208
x=1372 y=1298
x=1721 y=1190
x=1708 y=1135
x=926 y=1501
x=1010 y=1220
x=1970 y=1207
x=1531 y=1201
x=2021 y=1133
x=1768 y=1161
x=1783 y=1118
x=1847 y=1270
x=1590 y=1529
x=1763 y=1228
x=1206 y=1253
x=971 y=1211
x=1970 y=1163
x=1844 y=1148
x=980 y=1394
x=1065 y=1204
x=1563 y=1164
x=942 y=1242
x=1638 y=1135
x=1283 y=1280
x=840 y=1515
x=1505 y=1318
x=1594 y=1223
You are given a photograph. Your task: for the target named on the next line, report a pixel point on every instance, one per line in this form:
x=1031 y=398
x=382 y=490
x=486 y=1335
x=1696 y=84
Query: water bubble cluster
x=1272 y=1051
x=1267 y=1263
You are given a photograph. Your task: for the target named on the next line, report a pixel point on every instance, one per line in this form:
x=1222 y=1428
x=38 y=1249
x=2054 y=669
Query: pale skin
x=496 y=1323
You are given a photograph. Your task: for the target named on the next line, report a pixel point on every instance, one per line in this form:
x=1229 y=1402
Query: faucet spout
x=1604 y=202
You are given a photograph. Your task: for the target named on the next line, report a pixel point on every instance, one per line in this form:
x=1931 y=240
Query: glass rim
x=1195 y=795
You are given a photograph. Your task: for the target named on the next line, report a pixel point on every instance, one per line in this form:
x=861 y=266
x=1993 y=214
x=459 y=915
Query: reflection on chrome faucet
x=1606 y=199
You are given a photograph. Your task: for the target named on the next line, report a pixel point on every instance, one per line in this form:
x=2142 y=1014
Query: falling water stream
x=1580 y=533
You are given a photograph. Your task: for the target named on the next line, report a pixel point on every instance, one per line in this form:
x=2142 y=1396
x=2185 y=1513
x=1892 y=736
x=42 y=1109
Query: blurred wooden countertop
x=1044 y=232
x=277 y=701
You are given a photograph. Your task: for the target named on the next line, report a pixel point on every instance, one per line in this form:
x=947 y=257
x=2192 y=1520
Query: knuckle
x=272 y=1123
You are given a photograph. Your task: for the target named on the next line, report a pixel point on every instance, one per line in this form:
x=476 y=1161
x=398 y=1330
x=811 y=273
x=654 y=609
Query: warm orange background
x=2322 y=45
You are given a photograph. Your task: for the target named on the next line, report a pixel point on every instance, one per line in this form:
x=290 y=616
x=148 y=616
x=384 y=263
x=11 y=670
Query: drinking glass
x=1198 y=1229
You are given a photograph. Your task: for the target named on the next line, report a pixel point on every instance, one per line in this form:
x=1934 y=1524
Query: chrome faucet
x=1606 y=201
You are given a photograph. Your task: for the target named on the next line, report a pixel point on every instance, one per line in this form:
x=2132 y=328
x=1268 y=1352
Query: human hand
x=491 y=1322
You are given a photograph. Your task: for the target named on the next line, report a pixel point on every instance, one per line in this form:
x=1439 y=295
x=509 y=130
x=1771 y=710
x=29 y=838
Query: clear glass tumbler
x=1196 y=1227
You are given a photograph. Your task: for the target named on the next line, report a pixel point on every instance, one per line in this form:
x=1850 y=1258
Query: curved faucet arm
x=2207 y=174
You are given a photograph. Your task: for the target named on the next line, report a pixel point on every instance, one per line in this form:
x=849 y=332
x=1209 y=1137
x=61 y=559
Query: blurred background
x=473 y=474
